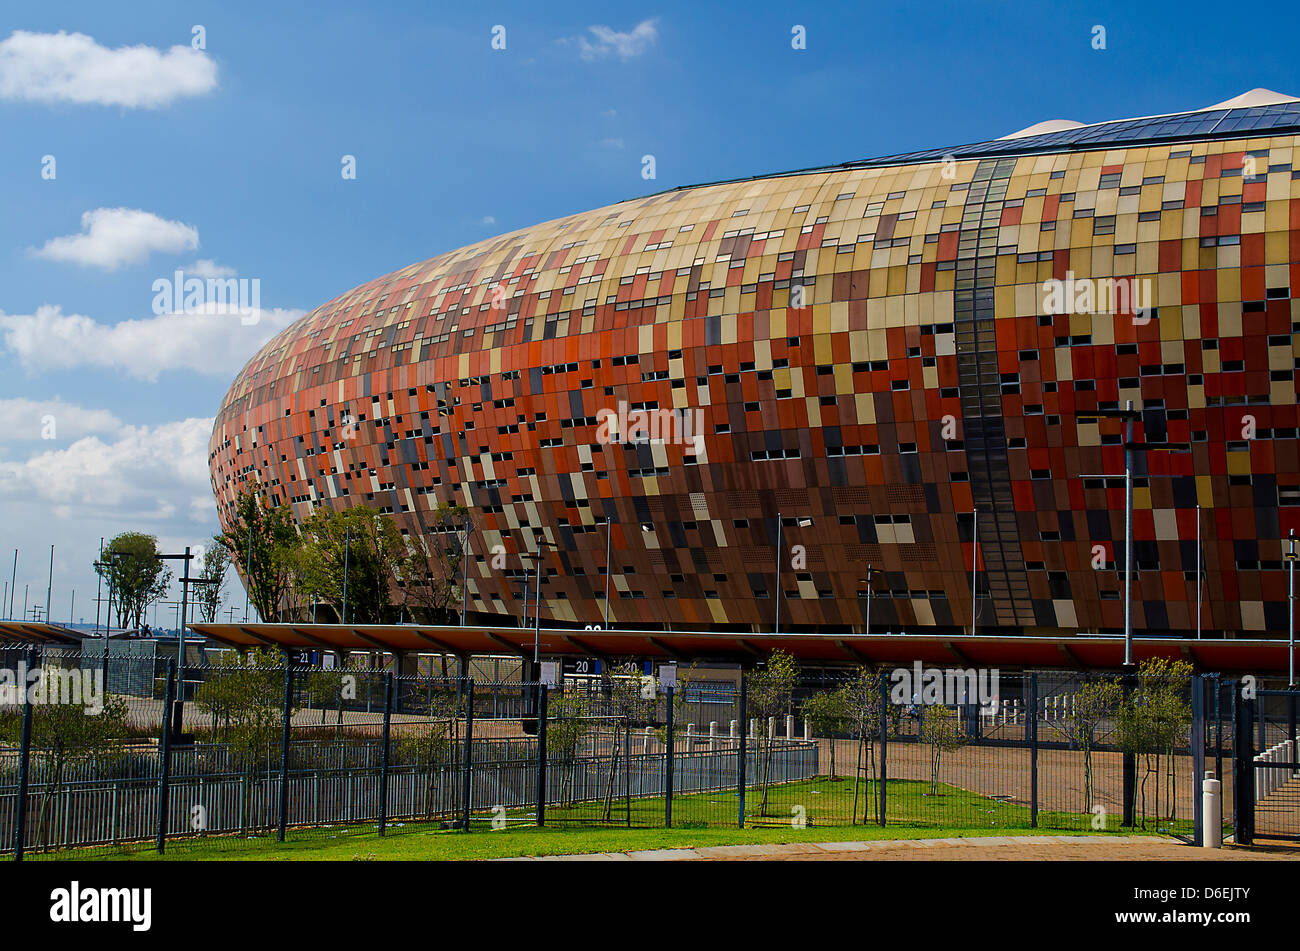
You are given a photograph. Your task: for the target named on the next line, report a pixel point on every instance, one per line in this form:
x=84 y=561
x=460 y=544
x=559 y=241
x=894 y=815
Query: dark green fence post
x=1243 y=774
x=884 y=740
x=165 y=756
x=1198 y=757
x=541 y=754
x=383 y=755
x=284 y=746
x=740 y=758
x=668 y=765
x=1129 y=681
x=24 y=760
x=1218 y=729
x=1031 y=727
x=469 y=759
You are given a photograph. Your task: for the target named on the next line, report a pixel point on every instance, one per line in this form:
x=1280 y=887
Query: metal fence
x=296 y=753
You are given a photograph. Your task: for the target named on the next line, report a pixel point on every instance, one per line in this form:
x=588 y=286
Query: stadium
x=879 y=394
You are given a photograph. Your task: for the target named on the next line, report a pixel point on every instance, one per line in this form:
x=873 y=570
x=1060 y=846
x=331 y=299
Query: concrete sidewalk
x=976 y=847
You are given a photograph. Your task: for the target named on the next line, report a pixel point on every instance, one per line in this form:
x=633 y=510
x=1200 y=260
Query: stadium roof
x=1081 y=652
x=1258 y=112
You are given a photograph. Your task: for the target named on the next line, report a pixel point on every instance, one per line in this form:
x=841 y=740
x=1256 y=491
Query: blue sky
x=231 y=156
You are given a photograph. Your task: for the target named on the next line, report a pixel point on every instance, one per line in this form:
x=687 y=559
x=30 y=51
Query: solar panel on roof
x=1222 y=123
x=1121 y=131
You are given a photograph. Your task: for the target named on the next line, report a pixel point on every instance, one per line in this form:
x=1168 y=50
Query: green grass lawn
x=700 y=819
x=822 y=801
x=423 y=843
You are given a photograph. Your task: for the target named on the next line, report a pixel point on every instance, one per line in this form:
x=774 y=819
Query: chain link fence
x=156 y=756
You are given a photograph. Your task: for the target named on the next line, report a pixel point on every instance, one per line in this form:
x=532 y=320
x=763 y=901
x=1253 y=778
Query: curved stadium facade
x=847 y=362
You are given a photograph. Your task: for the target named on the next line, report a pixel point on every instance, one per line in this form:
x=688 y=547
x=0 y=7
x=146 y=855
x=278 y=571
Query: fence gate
x=1267 y=767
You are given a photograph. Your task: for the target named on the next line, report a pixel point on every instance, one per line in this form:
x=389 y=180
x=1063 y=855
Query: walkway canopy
x=1077 y=652
x=14 y=633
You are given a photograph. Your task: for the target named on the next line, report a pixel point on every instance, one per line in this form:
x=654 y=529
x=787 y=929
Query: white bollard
x=753 y=728
x=735 y=730
x=645 y=741
x=1006 y=712
x=807 y=730
x=713 y=736
x=1015 y=712
x=789 y=726
x=1211 y=812
x=690 y=737
x=771 y=728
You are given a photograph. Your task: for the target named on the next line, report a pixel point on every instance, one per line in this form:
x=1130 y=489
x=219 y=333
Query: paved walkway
x=977 y=848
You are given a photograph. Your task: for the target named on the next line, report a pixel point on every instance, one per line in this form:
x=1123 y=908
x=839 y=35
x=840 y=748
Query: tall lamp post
x=780 y=525
x=1291 y=557
x=464 y=569
x=108 y=619
x=177 y=712
x=866 y=619
x=1129 y=415
x=609 y=534
x=537 y=603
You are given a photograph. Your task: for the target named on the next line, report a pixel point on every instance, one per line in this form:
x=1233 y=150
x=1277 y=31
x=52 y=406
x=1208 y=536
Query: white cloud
x=148 y=479
x=113 y=237
x=210 y=344
x=489 y=220
x=625 y=46
x=24 y=419
x=144 y=473
x=614 y=143
x=206 y=268
x=72 y=67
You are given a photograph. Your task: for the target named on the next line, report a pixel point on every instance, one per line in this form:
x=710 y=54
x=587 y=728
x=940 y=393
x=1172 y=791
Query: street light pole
x=974 y=564
x=609 y=529
x=1291 y=560
x=866 y=621
x=1198 y=572
x=776 y=627
x=99 y=588
x=347 y=545
x=464 y=571
x=1128 y=536
x=49 y=588
x=1129 y=415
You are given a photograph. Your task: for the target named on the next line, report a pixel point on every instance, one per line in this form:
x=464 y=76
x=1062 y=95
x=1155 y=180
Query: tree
x=827 y=712
x=265 y=563
x=429 y=575
x=863 y=702
x=1153 y=721
x=207 y=597
x=1094 y=702
x=134 y=575
x=626 y=705
x=64 y=734
x=245 y=697
x=941 y=731
x=770 y=690
x=358 y=546
x=428 y=748
x=568 y=718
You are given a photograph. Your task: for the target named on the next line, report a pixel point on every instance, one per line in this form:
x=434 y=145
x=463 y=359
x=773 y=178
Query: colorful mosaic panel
x=852 y=361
